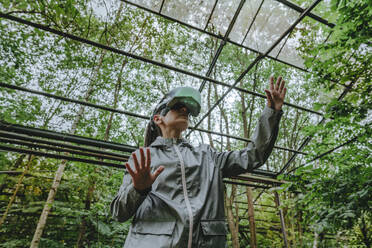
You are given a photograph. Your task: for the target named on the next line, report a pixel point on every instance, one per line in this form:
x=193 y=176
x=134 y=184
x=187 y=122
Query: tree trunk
x=92 y=184
x=58 y=176
x=246 y=132
x=300 y=231
x=230 y=217
x=17 y=163
x=282 y=222
x=30 y=158
x=252 y=223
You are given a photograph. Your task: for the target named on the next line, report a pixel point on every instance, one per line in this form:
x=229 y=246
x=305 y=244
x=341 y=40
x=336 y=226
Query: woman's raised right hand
x=142 y=177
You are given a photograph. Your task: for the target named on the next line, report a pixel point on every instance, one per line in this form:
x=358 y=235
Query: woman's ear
x=158 y=119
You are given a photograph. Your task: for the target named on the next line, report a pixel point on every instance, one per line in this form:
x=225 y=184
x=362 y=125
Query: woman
x=175 y=190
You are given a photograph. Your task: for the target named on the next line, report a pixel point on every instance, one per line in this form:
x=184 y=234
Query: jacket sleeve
x=233 y=163
x=127 y=200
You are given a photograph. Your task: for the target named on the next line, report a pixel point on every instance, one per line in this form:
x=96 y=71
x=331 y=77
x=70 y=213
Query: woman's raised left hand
x=276 y=94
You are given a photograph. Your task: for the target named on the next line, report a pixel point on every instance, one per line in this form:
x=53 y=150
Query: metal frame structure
x=8 y=136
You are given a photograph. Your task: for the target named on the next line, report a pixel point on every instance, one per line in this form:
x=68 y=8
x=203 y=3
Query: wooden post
x=277 y=203
x=30 y=158
x=252 y=223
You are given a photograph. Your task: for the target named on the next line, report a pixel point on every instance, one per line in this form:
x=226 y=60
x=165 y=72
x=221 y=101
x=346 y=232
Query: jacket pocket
x=154 y=227
x=213 y=227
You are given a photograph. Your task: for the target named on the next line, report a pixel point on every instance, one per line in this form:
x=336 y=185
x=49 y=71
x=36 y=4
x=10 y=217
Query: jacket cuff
x=143 y=192
x=270 y=111
x=135 y=195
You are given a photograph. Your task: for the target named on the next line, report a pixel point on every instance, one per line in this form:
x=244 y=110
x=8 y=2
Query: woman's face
x=176 y=119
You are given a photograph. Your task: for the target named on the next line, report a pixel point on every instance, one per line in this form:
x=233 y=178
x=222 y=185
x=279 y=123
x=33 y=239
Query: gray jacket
x=186 y=202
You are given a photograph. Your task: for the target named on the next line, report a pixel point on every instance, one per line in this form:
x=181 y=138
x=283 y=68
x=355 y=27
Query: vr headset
x=179 y=97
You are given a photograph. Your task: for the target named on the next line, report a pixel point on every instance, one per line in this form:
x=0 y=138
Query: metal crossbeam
x=134 y=56
x=33 y=135
x=325 y=153
x=58 y=156
x=125 y=112
x=211 y=14
x=254 y=19
x=65 y=137
x=211 y=34
x=60 y=148
x=311 y=15
x=15 y=136
x=307 y=139
x=258 y=58
x=222 y=43
x=161 y=7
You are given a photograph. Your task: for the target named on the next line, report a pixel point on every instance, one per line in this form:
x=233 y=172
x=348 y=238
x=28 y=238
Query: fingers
x=129 y=169
x=135 y=160
x=148 y=158
x=271 y=83
x=278 y=81
x=269 y=97
x=282 y=86
x=284 y=92
x=158 y=171
x=142 y=154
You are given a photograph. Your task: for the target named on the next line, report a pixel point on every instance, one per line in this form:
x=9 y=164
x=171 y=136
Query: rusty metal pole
x=252 y=223
x=277 y=203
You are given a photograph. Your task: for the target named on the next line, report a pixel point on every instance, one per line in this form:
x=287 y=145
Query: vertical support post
x=252 y=223
x=277 y=203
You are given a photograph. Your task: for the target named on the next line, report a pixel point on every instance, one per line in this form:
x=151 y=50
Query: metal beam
x=258 y=58
x=59 y=156
x=210 y=34
x=253 y=20
x=311 y=15
x=14 y=136
x=65 y=137
x=121 y=52
x=127 y=113
x=210 y=16
x=282 y=222
x=161 y=7
x=325 y=153
x=89 y=161
x=307 y=139
x=79 y=140
x=222 y=43
x=246 y=184
x=62 y=149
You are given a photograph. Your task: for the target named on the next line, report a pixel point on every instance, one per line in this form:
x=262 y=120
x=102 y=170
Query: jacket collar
x=167 y=142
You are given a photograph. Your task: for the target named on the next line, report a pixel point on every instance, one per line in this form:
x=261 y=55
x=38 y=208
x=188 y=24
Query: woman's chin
x=182 y=125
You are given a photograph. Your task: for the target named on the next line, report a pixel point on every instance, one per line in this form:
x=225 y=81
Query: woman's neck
x=173 y=133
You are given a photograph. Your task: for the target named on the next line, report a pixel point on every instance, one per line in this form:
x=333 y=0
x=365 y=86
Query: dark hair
x=152 y=132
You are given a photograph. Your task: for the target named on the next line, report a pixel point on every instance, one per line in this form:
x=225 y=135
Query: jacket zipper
x=187 y=201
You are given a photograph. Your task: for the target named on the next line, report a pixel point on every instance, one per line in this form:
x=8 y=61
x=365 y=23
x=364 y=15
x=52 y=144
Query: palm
x=276 y=94
x=142 y=177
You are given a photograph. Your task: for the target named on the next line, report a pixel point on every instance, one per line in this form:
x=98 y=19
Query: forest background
x=326 y=202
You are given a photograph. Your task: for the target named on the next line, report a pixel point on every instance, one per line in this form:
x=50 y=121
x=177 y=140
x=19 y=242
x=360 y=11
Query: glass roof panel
x=272 y=21
x=222 y=16
x=323 y=9
x=317 y=34
x=195 y=13
x=244 y=20
x=150 y=4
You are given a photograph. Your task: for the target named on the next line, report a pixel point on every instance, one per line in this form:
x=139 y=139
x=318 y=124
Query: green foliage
x=336 y=191
x=335 y=194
